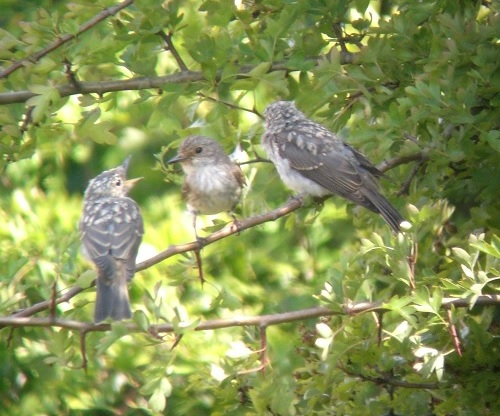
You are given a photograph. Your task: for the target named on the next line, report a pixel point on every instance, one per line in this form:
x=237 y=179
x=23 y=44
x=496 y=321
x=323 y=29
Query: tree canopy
x=308 y=307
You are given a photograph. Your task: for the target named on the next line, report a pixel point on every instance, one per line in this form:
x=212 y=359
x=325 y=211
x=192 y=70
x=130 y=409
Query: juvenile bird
x=213 y=183
x=315 y=162
x=111 y=230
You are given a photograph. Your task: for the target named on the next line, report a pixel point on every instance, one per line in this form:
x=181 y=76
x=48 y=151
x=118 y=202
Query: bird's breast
x=212 y=189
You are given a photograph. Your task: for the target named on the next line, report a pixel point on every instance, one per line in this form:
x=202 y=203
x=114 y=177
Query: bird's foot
x=237 y=225
x=202 y=241
x=299 y=197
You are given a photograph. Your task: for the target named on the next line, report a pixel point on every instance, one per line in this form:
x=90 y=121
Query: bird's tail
x=112 y=300
x=390 y=214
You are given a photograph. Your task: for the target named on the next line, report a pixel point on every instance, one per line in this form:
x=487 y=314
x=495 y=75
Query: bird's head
x=199 y=150
x=111 y=182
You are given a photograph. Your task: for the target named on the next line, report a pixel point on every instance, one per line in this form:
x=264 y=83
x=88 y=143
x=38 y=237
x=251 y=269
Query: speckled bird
x=111 y=230
x=315 y=162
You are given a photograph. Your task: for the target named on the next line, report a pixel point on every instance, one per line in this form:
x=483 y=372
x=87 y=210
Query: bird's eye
x=198 y=149
x=118 y=182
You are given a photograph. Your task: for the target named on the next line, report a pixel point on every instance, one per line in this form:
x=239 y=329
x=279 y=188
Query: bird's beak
x=129 y=184
x=177 y=158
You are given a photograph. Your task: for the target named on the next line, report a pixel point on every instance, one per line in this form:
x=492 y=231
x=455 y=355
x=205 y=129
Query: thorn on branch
x=453 y=332
x=53 y=300
x=379 y=317
x=263 y=347
x=176 y=342
x=83 y=349
x=199 y=264
x=71 y=75
x=412 y=261
x=11 y=335
x=26 y=119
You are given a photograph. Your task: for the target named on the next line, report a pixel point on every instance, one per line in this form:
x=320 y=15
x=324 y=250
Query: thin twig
x=405 y=188
x=170 y=47
x=337 y=29
x=258 y=159
x=41 y=306
x=389 y=380
x=230 y=105
x=66 y=38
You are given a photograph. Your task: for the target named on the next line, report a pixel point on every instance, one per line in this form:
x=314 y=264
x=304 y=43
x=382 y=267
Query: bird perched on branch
x=111 y=230
x=213 y=182
x=315 y=162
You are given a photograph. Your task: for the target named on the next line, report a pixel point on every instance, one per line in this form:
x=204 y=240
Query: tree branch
x=102 y=87
x=386 y=165
x=260 y=321
x=292 y=205
x=66 y=38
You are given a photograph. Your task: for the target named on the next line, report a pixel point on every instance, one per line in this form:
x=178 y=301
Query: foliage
x=401 y=80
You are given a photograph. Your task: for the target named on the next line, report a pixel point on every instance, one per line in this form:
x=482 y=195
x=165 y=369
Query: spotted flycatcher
x=111 y=230
x=213 y=182
x=315 y=162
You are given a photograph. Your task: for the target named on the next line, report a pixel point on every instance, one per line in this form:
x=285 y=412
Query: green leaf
x=260 y=70
x=157 y=401
x=462 y=255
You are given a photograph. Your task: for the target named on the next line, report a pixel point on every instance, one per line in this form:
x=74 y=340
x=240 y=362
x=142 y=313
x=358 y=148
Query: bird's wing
x=364 y=162
x=323 y=158
x=186 y=190
x=114 y=233
x=238 y=174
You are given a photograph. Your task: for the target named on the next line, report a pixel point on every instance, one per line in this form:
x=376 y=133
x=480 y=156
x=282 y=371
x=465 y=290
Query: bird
x=111 y=230
x=313 y=161
x=213 y=182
